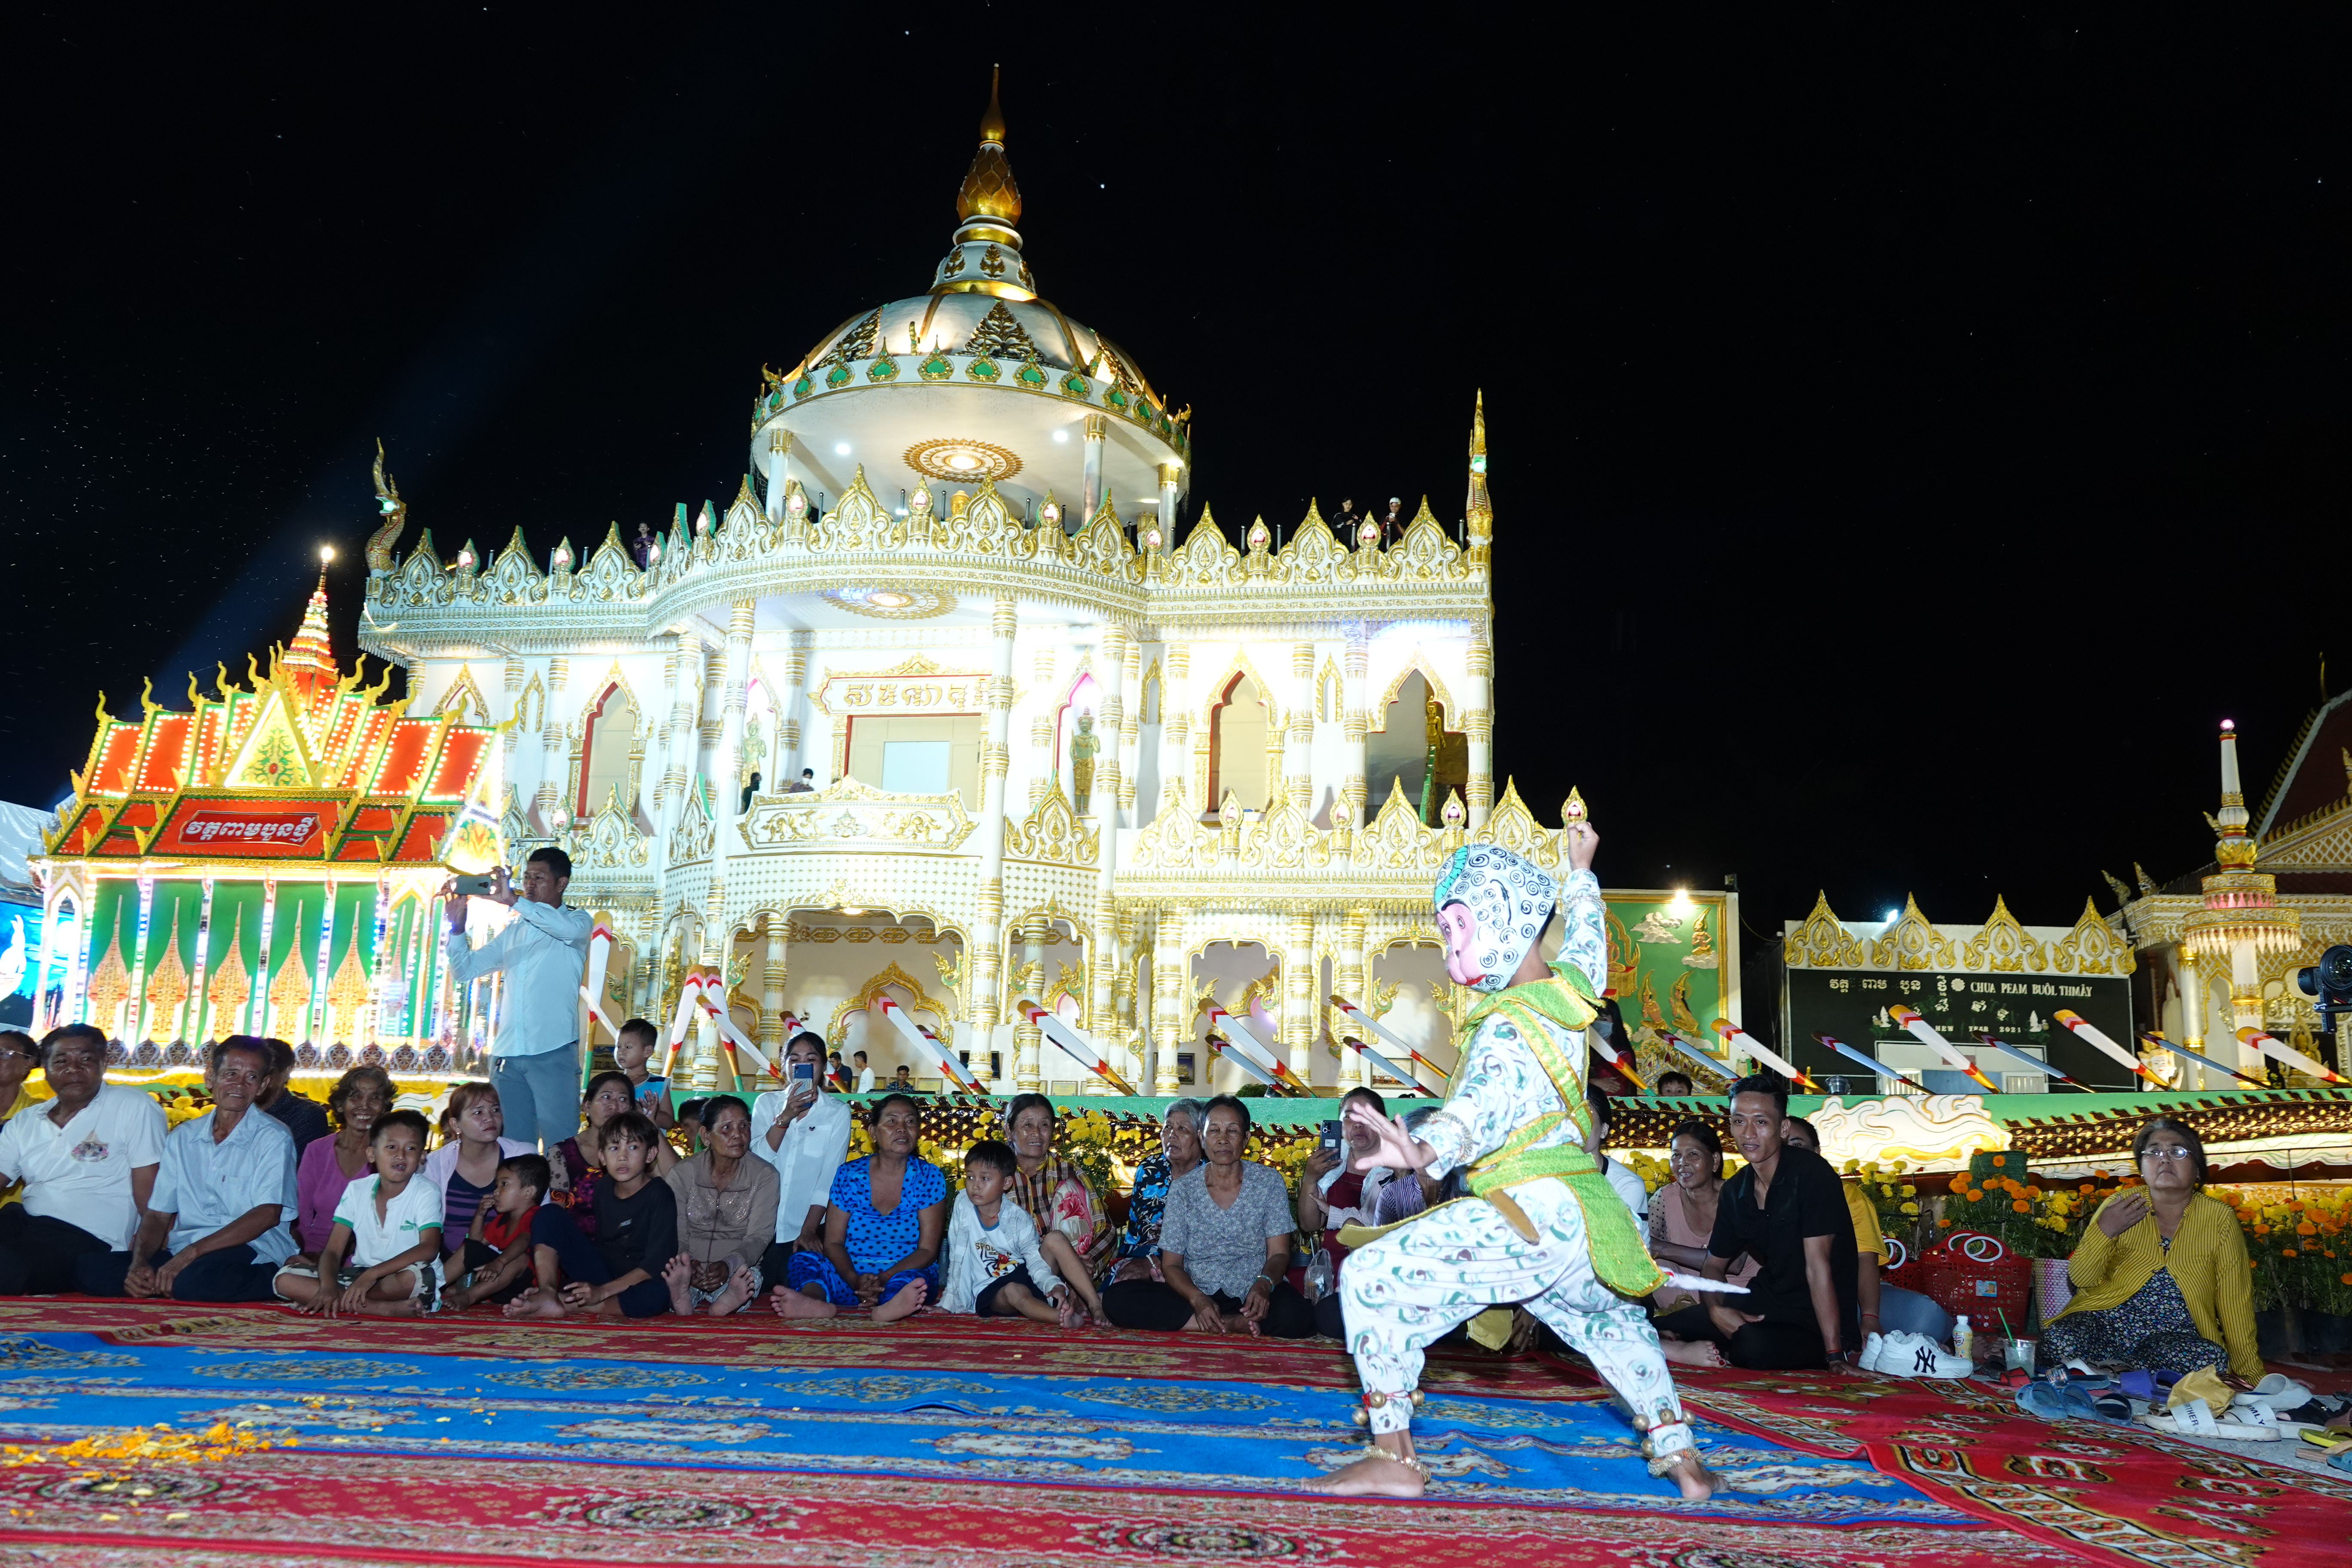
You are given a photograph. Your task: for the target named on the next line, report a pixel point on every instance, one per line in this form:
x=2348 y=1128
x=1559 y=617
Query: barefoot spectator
x=1179 y=1154
x=383 y=1257
x=87 y=1161
x=2161 y=1275
x=465 y=1167
x=492 y=1263
x=802 y=1130
x=1682 y=1222
x=218 y=1223
x=360 y=1098
x=882 y=1230
x=1225 y=1246
x=618 y=1272
x=1074 y=1225
x=725 y=1215
x=994 y=1267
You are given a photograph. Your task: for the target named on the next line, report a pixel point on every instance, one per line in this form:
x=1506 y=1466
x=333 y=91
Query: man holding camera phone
x=803 y=1132
x=535 y=1059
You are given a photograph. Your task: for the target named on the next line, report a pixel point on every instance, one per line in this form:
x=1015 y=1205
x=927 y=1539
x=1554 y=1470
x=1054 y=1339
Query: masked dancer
x=1543 y=1226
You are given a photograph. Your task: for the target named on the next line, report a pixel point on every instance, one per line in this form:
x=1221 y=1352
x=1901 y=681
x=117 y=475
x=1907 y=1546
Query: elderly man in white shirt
x=87 y=1161
x=535 y=1059
x=220 y=1220
x=805 y=1133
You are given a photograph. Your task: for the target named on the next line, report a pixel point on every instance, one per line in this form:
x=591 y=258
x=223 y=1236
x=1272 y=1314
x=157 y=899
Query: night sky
x=1910 y=434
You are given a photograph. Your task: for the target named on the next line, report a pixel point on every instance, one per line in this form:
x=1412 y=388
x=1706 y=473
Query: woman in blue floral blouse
x=1180 y=1150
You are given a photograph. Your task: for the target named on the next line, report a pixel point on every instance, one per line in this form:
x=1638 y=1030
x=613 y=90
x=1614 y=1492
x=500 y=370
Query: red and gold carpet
x=470 y=1440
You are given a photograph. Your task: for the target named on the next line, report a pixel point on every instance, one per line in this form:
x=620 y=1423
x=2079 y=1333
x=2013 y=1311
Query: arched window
x=606 y=764
x=1398 y=751
x=1237 y=746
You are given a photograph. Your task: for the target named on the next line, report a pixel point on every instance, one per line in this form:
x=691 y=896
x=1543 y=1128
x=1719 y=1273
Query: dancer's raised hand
x=1395 y=1148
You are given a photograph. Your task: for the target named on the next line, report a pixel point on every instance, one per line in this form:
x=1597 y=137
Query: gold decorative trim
x=937 y=458
x=892 y=600
x=836 y=1032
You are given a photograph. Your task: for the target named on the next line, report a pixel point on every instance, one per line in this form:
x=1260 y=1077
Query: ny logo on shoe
x=1924 y=1360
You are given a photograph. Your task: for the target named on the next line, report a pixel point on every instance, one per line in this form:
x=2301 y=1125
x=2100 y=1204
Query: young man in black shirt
x=1788 y=1209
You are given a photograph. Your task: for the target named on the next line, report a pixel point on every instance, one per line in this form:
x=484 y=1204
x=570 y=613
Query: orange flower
x=2288 y=1252
x=2022 y=1206
x=2306 y=1229
x=2347 y=1279
x=2000 y=1158
x=2261 y=1229
x=2085 y=1187
x=1944 y=1223
x=1959 y=1183
x=2035 y=1192
x=1975 y=1196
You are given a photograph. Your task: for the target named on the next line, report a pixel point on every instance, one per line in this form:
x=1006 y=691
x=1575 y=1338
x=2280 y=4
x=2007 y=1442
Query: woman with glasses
x=882 y=1230
x=2160 y=1277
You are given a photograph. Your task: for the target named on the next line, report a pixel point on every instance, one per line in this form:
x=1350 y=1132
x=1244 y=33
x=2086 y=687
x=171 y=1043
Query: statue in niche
x=1084 y=745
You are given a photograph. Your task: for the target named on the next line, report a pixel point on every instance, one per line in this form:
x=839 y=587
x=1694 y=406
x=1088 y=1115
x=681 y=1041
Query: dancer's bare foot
x=1691 y=1352
x=1383 y=1474
x=1691 y=1475
x=790 y=1304
x=909 y=1298
x=741 y=1286
x=679 y=1275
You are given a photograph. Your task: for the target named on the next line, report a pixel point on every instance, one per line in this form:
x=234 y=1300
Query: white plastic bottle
x=1964 y=1339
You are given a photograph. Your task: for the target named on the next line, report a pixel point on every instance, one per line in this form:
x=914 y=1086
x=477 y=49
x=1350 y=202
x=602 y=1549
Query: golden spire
x=1479 y=512
x=988 y=189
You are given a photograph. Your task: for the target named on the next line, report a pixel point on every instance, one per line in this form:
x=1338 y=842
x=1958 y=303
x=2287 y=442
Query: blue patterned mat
x=1016 y=1426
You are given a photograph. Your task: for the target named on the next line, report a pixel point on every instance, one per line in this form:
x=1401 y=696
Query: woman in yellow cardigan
x=2160 y=1278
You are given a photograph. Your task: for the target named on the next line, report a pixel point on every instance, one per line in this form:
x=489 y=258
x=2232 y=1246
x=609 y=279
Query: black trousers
x=37 y=1253
x=1757 y=1347
x=1152 y=1305
x=232 y=1274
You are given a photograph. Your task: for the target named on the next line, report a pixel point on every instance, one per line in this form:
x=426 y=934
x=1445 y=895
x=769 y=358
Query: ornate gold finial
x=1478 y=511
x=988 y=189
x=1573 y=809
x=1478 y=431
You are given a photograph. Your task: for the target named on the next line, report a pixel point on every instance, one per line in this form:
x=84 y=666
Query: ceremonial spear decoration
x=1739 y=1039
x=1925 y=1032
x=1073 y=1044
x=2085 y=1030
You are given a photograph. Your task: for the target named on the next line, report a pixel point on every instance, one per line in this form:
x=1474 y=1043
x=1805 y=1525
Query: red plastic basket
x=1975 y=1274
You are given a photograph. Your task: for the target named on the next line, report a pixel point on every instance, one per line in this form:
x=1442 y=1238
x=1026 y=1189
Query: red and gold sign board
x=279 y=828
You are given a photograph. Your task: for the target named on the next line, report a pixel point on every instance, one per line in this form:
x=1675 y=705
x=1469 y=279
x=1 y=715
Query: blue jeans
x=538 y=1095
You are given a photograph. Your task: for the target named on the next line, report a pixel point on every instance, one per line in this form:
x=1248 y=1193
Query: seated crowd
x=356 y=1206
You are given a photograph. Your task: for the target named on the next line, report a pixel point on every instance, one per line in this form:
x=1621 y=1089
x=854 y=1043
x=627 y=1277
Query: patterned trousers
x=1399 y=1294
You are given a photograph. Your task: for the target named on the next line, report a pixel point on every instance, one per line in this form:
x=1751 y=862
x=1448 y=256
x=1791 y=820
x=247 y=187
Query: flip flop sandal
x=2195 y=1419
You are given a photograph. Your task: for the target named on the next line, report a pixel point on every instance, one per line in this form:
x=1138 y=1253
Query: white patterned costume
x=1405 y=1289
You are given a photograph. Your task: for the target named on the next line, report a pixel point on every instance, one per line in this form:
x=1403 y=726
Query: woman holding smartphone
x=1331 y=1196
x=804 y=1131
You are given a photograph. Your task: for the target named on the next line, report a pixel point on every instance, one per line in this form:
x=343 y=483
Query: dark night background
x=1911 y=433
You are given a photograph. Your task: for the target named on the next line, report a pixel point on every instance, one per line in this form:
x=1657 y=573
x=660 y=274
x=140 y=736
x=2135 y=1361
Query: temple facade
x=945 y=706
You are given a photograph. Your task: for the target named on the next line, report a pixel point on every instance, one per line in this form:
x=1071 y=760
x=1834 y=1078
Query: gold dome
x=988 y=189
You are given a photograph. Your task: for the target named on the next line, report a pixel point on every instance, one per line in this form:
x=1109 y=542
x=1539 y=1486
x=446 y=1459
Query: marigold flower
x=2261 y=1229
x=2346 y=1279
x=1998 y=1160
x=2020 y=1206
x=1914 y=1209
x=2288 y=1252
x=2035 y=1192
x=2306 y=1229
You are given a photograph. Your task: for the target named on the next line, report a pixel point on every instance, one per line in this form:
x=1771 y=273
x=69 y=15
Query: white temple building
x=1058 y=752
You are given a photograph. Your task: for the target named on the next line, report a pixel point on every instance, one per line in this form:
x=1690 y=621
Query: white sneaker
x=1916 y=1355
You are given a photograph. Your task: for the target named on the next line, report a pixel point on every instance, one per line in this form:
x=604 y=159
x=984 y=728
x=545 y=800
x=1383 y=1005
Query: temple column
x=1300 y=971
x=1098 y=430
x=2192 y=1015
x=1176 y=723
x=553 y=756
x=1129 y=738
x=718 y=932
x=513 y=738
x=1028 y=1071
x=780 y=448
x=1298 y=739
x=1478 y=725
x=987 y=944
x=1348 y=972
x=788 y=724
x=1110 y=716
x=1169 y=474
x=772 y=1003
x=1041 y=724
x=1169 y=1019
x=1357 y=723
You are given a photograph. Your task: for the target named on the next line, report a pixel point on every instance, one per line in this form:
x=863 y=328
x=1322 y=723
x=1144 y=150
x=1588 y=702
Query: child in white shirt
x=993 y=1266
x=383 y=1257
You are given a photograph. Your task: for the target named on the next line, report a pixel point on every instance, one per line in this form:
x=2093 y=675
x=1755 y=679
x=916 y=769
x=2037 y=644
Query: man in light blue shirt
x=220 y=1219
x=535 y=1059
